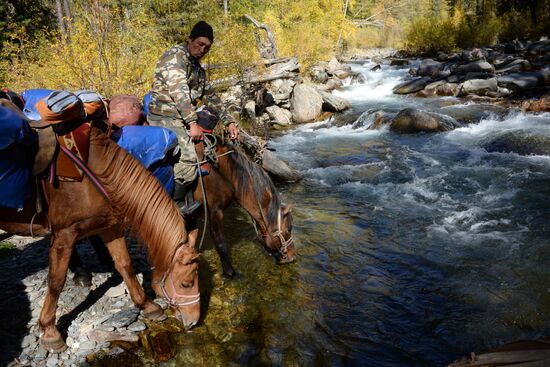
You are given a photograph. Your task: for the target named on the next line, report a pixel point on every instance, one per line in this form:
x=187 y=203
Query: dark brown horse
x=77 y=210
x=236 y=177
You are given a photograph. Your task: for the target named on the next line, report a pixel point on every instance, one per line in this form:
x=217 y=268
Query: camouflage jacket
x=179 y=88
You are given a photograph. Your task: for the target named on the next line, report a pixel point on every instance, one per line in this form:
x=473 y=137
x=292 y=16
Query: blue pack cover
x=149 y=145
x=146 y=100
x=18 y=145
x=32 y=96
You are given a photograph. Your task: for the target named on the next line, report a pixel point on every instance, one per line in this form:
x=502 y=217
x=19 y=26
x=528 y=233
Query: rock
x=472 y=113
x=521 y=82
x=278 y=168
x=399 y=62
x=102 y=336
x=334 y=103
x=538 y=48
x=447 y=89
x=137 y=326
x=541 y=105
x=335 y=68
x=478 y=75
x=478 y=86
x=306 y=103
x=250 y=109
x=122 y=318
x=88 y=344
x=116 y=291
x=162 y=347
x=519 y=144
x=412 y=86
x=28 y=340
x=279 y=115
x=332 y=83
x=318 y=74
x=410 y=120
x=380 y=119
x=476 y=66
x=516 y=65
x=281 y=90
x=429 y=67
x=52 y=362
x=430 y=89
x=514 y=47
x=357 y=78
x=376 y=67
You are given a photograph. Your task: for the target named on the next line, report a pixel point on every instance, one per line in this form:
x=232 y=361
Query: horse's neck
x=248 y=199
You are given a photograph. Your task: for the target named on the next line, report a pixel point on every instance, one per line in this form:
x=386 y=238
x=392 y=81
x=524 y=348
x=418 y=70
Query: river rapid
x=413 y=250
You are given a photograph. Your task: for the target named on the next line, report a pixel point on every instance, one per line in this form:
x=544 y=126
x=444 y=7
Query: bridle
x=173 y=301
x=278 y=233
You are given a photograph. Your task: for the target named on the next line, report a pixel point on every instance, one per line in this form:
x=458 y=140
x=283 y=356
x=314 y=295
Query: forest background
x=112 y=46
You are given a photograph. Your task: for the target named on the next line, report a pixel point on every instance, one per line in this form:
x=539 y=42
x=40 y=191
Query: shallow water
x=414 y=250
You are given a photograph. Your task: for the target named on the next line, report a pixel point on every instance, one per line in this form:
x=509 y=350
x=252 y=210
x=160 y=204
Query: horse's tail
x=135 y=193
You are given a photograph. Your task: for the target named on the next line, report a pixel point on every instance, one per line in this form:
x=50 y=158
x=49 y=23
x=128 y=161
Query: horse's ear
x=286 y=209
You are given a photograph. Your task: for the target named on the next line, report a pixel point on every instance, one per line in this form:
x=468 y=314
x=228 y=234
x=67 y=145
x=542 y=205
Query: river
x=413 y=250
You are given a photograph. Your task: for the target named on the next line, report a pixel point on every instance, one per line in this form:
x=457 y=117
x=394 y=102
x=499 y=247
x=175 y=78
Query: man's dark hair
x=202 y=29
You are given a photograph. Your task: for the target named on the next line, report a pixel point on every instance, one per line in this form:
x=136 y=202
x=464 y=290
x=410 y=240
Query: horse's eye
x=186 y=285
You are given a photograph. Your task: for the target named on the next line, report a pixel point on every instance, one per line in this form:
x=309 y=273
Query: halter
x=172 y=301
x=285 y=243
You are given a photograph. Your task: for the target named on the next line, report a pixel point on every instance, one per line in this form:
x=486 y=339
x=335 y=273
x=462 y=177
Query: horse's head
x=179 y=285
x=277 y=237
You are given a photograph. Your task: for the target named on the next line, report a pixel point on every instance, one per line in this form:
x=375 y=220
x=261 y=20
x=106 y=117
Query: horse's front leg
x=61 y=247
x=123 y=264
x=216 y=231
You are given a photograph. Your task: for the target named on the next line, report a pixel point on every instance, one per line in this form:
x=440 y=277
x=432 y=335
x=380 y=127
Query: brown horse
x=236 y=177
x=77 y=210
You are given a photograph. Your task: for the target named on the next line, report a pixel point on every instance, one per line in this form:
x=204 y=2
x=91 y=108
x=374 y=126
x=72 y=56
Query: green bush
x=430 y=34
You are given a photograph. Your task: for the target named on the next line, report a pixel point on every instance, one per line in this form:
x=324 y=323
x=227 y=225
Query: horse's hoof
x=156 y=315
x=83 y=279
x=53 y=346
x=233 y=275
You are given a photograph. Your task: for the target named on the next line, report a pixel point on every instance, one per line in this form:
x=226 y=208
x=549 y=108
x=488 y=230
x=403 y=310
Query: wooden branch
x=269 y=50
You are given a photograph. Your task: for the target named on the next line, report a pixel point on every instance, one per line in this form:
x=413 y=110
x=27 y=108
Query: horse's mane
x=137 y=195
x=248 y=174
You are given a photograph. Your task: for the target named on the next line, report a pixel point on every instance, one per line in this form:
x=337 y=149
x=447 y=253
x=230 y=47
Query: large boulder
x=429 y=67
x=476 y=66
x=411 y=120
x=472 y=113
x=281 y=89
x=412 y=86
x=279 y=116
x=334 y=103
x=306 y=103
x=480 y=87
x=540 y=105
x=519 y=144
x=522 y=82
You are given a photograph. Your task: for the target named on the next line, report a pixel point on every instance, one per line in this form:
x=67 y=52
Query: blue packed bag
x=146 y=100
x=31 y=96
x=18 y=146
x=153 y=147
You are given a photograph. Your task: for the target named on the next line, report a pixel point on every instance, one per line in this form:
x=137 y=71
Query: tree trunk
x=225 y=8
x=60 y=21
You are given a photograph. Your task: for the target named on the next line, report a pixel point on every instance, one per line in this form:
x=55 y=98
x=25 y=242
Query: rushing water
x=414 y=250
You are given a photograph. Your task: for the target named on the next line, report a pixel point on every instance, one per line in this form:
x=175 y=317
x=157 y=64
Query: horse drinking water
x=77 y=210
x=235 y=177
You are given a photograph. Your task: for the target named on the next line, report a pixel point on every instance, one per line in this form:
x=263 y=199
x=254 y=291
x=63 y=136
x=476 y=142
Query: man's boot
x=183 y=196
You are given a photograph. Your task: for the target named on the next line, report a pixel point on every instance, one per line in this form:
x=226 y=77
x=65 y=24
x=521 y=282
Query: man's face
x=198 y=47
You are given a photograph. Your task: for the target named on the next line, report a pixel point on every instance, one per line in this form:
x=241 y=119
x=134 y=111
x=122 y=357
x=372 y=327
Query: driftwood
x=256 y=148
x=268 y=50
x=286 y=68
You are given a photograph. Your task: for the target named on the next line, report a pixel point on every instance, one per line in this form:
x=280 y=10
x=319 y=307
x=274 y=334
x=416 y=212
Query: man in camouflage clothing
x=180 y=96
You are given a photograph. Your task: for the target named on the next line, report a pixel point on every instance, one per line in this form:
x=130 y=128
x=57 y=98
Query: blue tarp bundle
x=18 y=145
x=146 y=100
x=32 y=96
x=150 y=145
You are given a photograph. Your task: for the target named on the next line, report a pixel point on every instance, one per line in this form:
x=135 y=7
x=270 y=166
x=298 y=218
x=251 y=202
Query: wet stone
x=137 y=326
x=122 y=318
x=52 y=362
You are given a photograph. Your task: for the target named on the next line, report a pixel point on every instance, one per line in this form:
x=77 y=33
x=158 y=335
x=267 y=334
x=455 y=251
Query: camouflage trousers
x=185 y=170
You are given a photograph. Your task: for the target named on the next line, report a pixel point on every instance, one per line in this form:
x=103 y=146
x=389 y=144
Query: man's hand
x=195 y=132
x=233 y=131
